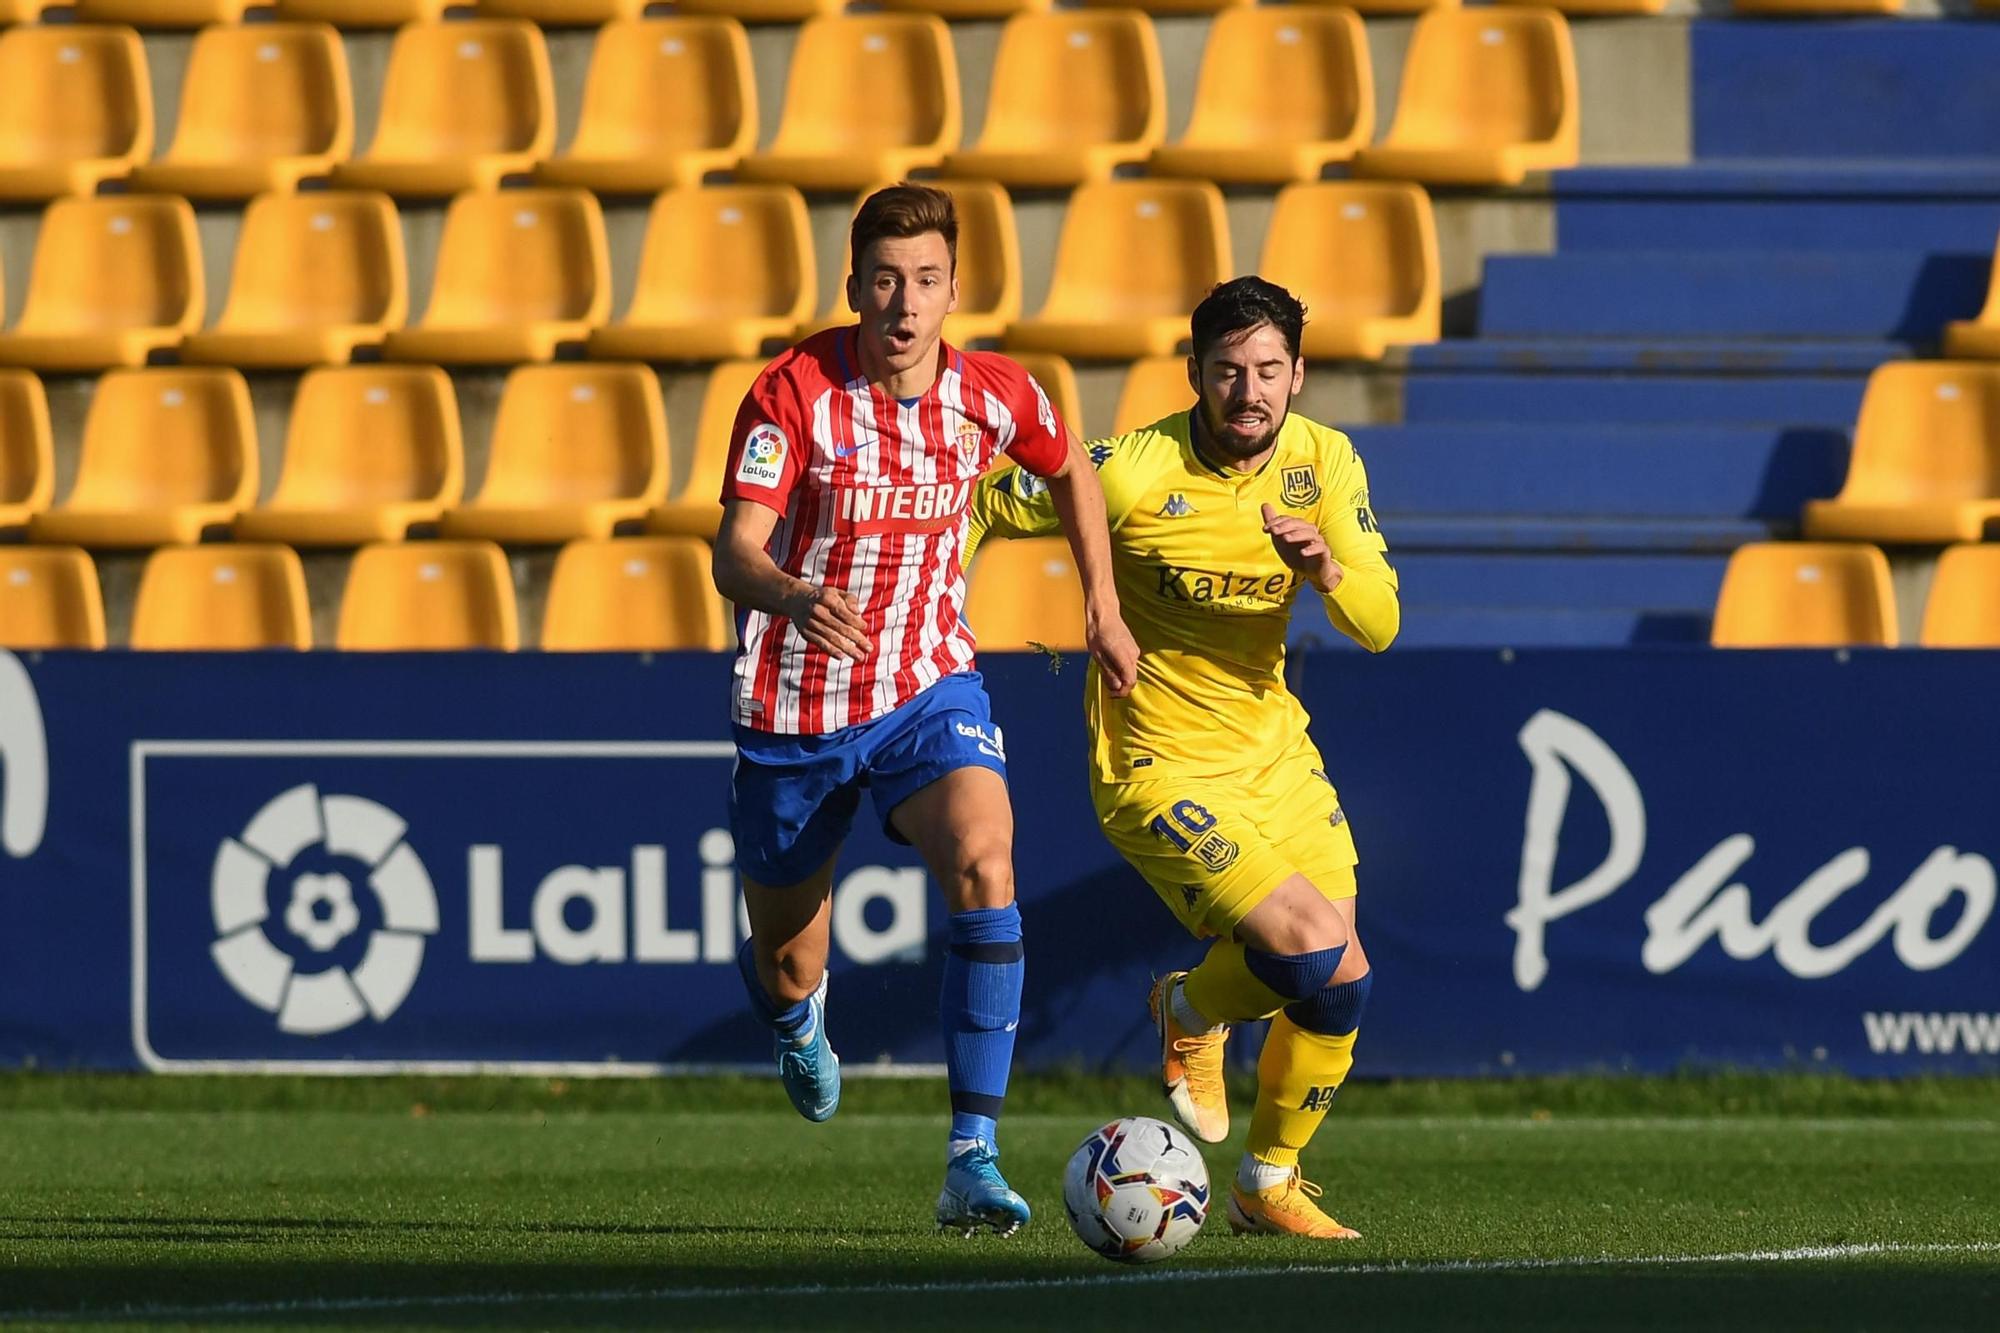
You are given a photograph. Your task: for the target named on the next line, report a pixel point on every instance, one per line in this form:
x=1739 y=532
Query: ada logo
x=309 y=848
x=763 y=456
x=1301 y=486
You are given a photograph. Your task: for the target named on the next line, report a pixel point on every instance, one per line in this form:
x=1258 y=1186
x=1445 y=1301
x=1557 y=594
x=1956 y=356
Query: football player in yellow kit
x=1203 y=776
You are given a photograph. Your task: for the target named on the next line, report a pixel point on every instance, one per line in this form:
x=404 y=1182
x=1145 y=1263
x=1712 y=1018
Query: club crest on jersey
x=1177 y=506
x=1301 y=486
x=763 y=461
x=969 y=435
x=1216 y=852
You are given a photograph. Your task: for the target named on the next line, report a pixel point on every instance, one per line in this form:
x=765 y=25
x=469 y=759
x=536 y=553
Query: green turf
x=492 y=1203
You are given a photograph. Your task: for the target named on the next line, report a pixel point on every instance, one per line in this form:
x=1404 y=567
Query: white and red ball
x=1136 y=1191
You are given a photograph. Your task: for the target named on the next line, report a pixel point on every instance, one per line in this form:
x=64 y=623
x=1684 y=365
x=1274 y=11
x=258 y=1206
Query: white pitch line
x=1146 y=1277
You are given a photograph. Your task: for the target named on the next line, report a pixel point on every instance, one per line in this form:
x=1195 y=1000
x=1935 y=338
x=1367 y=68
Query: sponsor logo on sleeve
x=763 y=456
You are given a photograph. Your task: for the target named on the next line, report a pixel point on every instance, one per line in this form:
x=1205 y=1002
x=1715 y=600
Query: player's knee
x=791 y=978
x=983 y=875
x=1334 y=1010
x=1295 y=976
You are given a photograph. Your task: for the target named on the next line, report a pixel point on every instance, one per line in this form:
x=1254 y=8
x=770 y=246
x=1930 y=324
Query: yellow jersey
x=1203 y=590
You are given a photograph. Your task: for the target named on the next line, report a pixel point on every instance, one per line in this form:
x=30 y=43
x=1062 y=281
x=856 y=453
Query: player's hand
x=827 y=619
x=1302 y=547
x=1116 y=651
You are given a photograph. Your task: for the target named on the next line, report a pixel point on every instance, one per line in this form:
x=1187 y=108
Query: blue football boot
x=976 y=1195
x=808 y=1067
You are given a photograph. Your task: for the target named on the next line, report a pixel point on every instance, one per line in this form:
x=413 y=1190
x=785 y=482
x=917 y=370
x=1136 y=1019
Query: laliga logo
x=321 y=911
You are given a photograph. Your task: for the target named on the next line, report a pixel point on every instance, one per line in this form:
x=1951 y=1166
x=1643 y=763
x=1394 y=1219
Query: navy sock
x=789 y=1022
x=980 y=1003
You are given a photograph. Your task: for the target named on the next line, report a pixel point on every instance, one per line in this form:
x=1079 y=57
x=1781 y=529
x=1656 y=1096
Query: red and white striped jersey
x=872 y=496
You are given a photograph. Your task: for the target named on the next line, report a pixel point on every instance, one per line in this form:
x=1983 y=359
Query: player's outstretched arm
x=1079 y=503
x=746 y=575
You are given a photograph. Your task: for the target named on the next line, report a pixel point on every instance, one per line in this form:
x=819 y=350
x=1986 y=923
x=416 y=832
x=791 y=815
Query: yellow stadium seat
x=1076 y=94
x=989 y=266
x=1155 y=387
x=696 y=509
x=115 y=278
x=577 y=449
x=1170 y=7
x=1375 y=8
x=1964 y=606
x=1488 y=95
x=162 y=13
x=317 y=275
x=464 y=105
x=23 y=11
x=1363 y=256
x=1134 y=259
x=870 y=97
x=76 y=109
x=564 y=13
x=967 y=9
x=262 y=108
x=49 y=598
x=518 y=273
x=1603 y=8
x=27 y=449
x=222 y=597
x=1926 y=460
x=725 y=269
x=634 y=594
x=1978 y=338
x=167 y=454
x=1058 y=381
x=764 y=11
x=1805 y=595
x=665 y=102
x=370 y=452
x=1284 y=90
x=1025 y=592
x=364 y=13
x=428 y=596
x=1812 y=8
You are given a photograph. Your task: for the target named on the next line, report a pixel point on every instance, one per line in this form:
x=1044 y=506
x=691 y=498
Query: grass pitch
x=1587 y=1204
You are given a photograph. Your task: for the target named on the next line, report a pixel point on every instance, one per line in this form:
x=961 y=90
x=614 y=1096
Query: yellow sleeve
x=1364 y=604
x=1014 y=502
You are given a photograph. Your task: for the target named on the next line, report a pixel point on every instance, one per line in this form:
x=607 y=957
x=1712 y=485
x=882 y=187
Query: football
x=1136 y=1191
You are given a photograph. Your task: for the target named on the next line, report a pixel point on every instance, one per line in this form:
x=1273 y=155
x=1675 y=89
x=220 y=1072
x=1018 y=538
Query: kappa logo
x=307 y=849
x=1027 y=485
x=764 y=451
x=1192 y=893
x=1100 y=454
x=1301 y=485
x=1177 y=506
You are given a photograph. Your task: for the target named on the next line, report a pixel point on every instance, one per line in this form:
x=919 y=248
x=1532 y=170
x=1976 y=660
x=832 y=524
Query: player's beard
x=1232 y=446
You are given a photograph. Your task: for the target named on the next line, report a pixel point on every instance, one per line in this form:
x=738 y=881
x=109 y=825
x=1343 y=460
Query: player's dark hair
x=1241 y=304
x=904 y=210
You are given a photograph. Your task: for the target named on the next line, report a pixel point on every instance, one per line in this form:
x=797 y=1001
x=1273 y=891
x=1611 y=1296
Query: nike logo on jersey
x=849 y=450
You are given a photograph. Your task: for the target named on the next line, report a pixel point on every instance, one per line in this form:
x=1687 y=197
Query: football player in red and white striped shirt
x=845 y=510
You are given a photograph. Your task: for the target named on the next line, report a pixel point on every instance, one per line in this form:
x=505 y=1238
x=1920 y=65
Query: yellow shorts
x=1214 y=847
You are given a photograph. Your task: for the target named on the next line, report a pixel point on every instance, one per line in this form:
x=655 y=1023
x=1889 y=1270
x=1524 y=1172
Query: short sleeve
x=765 y=444
x=1040 y=441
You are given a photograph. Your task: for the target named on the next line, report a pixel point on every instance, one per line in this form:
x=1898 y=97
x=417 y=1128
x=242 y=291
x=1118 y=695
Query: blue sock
x=788 y=1022
x=980 y=1002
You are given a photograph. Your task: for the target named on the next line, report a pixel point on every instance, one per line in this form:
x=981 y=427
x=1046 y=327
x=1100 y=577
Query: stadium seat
x=665 y=102
x=428 y=596
x=1813 y=8
x=167 y=454
x=725 y=269
x=464 y=105
x=518 y=273
x=371 y=451
x=1025 y=592
x=577 y=449
x=317 y=275
x=1155 y=387
x=634 y=594
x=1805 y=595
x=1134 y=259
x=1963 y=610
x=1284 y=90
x=1058 y=381
x=1363 y=256
x=955 y=10
x=564 y=13
x=1596 y=8
x=162 y=13
x=363 y=13
x=764 y=11
x=1978 y=338
x=76 y=109
x=1075 y=95
x=49 y=598
x=870 y=97
x=27 y=449
x=222 y=597
x=1488 y=95
x=262 y=108
x=989 y=266
x=23 y=11
x=114 y=279
x=696 y=509
x=1926 y=461
x=1375 y=8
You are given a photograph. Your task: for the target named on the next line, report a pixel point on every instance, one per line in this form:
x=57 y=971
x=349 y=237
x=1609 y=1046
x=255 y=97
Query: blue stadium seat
x=1636 y=400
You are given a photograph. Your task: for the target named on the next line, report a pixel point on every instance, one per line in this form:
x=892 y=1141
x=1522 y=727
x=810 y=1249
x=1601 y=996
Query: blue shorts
x=792 y=798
